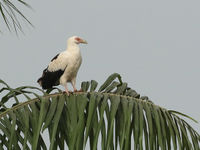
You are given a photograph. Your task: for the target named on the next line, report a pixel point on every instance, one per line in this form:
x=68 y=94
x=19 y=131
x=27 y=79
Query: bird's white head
x=76 y=40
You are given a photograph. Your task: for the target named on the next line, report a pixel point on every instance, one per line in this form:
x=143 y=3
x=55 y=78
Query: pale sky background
x=153 y=44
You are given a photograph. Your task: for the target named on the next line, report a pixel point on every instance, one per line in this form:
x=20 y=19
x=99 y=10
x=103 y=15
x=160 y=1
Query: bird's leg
x=73 y=84
x=66 y=90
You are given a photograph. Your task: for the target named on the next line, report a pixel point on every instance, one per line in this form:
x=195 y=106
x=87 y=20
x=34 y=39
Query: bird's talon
x=80 y=90
x=77 y=91
x=64 y=92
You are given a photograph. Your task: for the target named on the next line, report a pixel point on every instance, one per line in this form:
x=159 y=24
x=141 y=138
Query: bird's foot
x=76 y=91
x=67 y=92
x=80 y=90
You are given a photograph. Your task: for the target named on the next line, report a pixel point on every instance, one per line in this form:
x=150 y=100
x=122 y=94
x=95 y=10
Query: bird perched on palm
x=64 y=66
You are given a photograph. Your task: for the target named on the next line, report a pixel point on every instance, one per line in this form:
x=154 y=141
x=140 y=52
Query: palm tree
x=11 y=14
x=113 y=117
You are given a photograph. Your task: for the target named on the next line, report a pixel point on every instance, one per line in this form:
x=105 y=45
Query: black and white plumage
x=63 y=67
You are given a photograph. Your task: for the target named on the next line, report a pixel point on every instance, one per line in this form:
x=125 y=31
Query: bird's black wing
x=50 y=78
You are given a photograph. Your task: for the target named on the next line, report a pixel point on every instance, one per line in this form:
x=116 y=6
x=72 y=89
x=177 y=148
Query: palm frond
x=114 y=113
x=11 y=14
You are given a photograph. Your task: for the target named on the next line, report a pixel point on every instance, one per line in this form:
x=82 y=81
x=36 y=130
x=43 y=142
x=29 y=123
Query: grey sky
x=153 y=44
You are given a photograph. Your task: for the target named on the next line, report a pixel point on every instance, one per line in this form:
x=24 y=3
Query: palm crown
x=114 y=113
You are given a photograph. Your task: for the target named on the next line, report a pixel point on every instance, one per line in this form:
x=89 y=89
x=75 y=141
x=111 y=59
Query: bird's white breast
x=74 y=61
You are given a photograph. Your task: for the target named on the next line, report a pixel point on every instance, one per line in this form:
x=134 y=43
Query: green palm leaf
x=115 y=117
x=11 y=14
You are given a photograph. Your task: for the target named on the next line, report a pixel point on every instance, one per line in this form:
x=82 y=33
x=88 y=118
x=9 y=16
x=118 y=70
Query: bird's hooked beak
x=83 y=41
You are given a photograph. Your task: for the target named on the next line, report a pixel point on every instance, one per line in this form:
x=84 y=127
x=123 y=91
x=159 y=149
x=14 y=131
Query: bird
x=64 y=67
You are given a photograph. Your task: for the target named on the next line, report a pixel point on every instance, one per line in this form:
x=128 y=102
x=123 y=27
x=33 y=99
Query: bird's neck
x=72 y=46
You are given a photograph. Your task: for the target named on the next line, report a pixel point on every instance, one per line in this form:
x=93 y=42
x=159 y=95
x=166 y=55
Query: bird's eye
x=77 y=39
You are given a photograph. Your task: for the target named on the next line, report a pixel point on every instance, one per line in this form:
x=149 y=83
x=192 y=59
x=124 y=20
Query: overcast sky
x=153 y=44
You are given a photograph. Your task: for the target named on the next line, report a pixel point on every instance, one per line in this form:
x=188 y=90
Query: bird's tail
x=40 y=81
x=44 y=82
x=49 y=79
